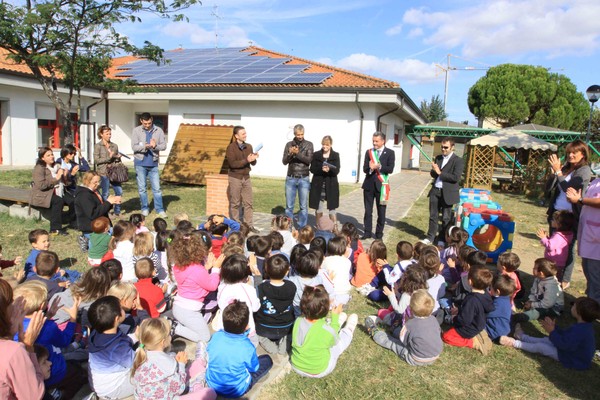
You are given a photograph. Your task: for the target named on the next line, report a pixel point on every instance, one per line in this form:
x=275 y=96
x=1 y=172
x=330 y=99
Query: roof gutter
x=360 y=136
x=90 y=138
x=384 y=114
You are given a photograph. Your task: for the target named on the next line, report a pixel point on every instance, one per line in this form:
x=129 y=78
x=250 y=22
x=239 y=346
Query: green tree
x=434 y=110
x=512 y=94
x=71 y=42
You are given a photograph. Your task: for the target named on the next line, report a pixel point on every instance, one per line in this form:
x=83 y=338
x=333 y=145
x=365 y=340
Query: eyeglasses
x=445 y=147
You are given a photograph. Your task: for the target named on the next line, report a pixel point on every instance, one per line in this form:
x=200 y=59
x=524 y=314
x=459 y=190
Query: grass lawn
x=365 y=370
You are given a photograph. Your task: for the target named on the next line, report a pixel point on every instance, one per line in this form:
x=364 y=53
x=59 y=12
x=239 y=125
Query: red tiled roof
x=340 y=77
x=7 y=64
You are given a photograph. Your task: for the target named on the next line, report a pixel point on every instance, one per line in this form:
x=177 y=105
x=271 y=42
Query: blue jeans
x=265 y=363
x=302 y=186
x=142 y=174
x=105 y=186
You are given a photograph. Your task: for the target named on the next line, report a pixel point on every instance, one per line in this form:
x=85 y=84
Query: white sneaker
x=162 y=214
x=351 y=323
x=426 y=241
x=145 y=213
x=342 y=318
x=518 y=332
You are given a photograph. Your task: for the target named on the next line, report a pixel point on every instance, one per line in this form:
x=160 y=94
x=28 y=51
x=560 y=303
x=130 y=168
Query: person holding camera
x=297 y=155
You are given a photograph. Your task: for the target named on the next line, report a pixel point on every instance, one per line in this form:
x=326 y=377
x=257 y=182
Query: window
x=51 y=134
x=397 y=135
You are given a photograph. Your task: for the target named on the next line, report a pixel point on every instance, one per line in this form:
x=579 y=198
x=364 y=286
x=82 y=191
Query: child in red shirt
x=150 y=294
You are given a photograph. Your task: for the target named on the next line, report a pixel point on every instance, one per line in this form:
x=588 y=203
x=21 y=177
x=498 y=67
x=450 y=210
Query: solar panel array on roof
x=219 y=66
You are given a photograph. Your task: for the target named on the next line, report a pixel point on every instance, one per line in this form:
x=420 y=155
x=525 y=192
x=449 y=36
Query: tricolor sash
x=384 y=195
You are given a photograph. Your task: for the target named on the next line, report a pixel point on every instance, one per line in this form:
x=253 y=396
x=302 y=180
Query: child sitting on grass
x=66 y=377
x=233 y=365
x=419 y=342
x=337 y=266
x=305 y=235
x=546 y=296
x=317 y=343
x=508 y=264
x=160 y=375
x=40 y=240
x=308 y=273
x=574 y=346
x=46 y=265
x=111 y=351
x=275 y=317
x=470 y=318
x=150 y=294
x=99 y=240
x=498 y=321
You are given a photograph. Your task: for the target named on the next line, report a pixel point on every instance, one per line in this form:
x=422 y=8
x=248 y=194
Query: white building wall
x=20 y=138
x=270 y=123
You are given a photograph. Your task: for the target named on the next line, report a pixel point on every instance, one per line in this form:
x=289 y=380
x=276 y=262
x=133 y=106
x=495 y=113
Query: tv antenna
x=447 y=68
x=215 y=13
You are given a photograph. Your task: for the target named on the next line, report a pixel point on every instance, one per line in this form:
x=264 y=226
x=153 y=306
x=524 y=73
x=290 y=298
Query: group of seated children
x=454 y=286
x=282 y=291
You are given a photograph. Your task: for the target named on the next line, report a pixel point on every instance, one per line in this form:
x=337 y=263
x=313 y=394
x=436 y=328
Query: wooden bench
x=15 y=195
x=15 y=202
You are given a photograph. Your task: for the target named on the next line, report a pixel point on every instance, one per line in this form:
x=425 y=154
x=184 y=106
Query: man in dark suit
x=379 y=163
x=446 y=172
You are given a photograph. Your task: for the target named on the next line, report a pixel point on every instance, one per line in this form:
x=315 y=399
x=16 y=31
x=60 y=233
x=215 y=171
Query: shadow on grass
x=133 y=204
x=68 y=263
x=528 y=235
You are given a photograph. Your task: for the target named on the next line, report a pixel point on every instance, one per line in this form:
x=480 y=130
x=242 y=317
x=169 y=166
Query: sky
x=405 y=41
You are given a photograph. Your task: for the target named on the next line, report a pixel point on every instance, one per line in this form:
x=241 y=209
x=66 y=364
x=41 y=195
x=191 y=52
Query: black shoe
x=254 y=229
x=366 y=236
x=59 y=232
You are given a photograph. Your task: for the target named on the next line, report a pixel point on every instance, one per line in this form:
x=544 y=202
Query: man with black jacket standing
x=446 y=171
x=240 y=157
x=297 y=155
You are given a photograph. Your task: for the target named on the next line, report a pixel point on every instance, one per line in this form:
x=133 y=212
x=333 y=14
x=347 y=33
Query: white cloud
x=415 y=33
x=231 y=36
x=407 y=70
x=510 y=27
x=394 y=30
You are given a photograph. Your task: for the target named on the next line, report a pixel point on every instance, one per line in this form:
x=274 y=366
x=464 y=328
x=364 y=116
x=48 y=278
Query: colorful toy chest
x=477 y=210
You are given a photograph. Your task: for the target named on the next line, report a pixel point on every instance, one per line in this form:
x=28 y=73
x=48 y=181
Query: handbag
x=117 y=172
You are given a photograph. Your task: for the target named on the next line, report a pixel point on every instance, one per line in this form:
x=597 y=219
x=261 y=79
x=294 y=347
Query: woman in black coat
x=89 y=204
x=324 y=188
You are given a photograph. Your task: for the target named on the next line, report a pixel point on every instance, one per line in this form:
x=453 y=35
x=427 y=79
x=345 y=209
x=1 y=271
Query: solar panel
x=229 y=65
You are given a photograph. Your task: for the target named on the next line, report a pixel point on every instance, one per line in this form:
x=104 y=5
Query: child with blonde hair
x=129 y=299
x=305 y=235
x=283 y=225
x=161 y=375
x=419 y=341
x=65 y=376
x=143 y=246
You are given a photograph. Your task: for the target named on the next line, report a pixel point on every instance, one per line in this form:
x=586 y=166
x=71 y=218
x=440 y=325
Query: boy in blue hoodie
x=111 y=351
x=233 y=373
x=498 y=321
